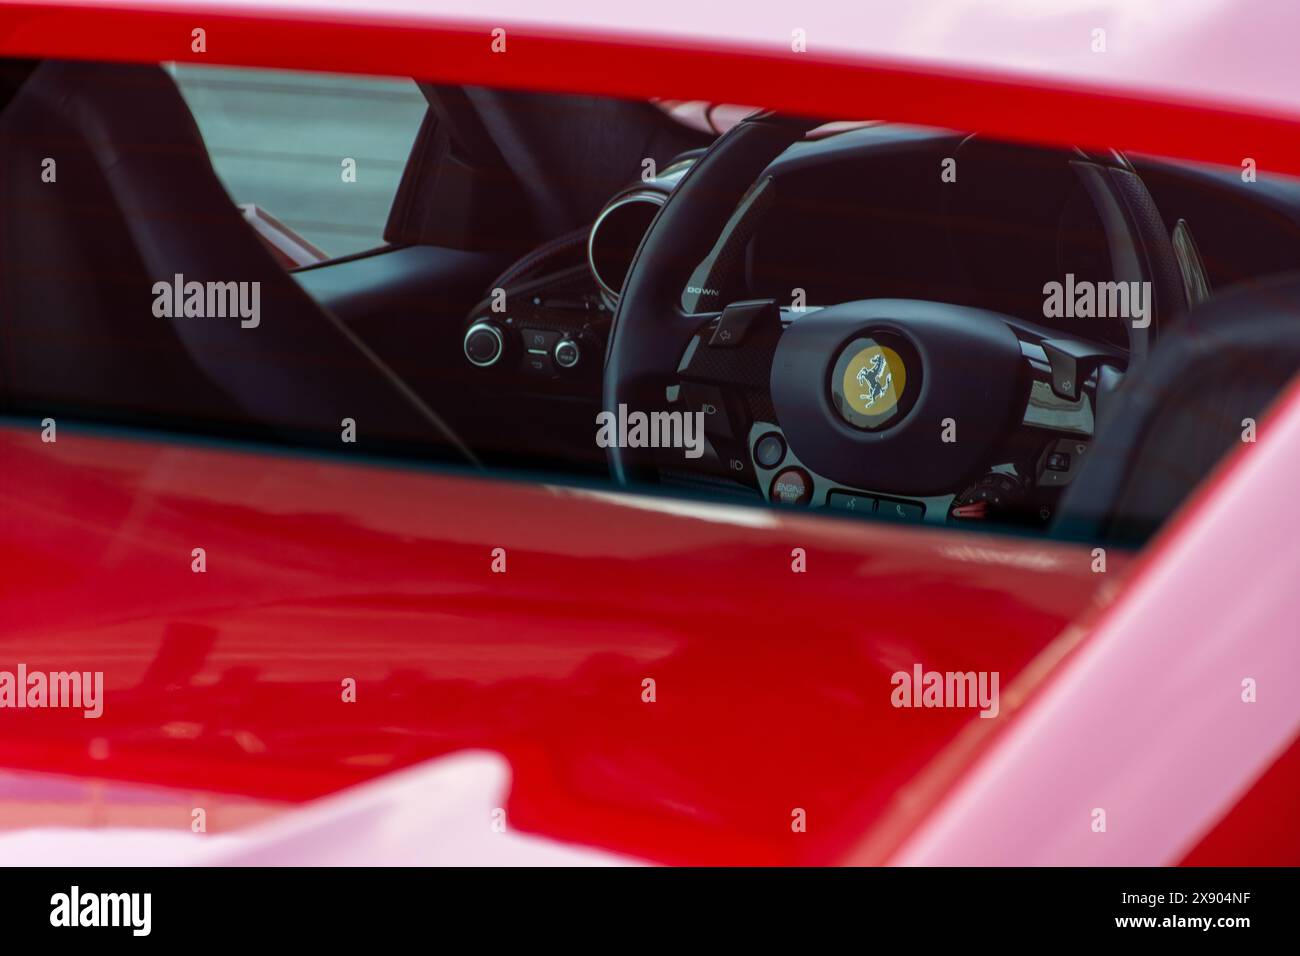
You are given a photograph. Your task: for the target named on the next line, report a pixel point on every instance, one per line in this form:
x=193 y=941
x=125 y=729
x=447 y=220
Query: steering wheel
x=902 y=397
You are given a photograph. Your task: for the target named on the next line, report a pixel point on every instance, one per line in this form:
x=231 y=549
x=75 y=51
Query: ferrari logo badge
x=874 y=381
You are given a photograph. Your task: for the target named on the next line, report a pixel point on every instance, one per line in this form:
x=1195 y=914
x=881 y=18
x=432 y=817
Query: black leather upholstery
x=135 y=202
x=1169 y=426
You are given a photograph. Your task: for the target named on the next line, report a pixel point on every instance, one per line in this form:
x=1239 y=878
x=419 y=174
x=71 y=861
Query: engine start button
x=791 y=487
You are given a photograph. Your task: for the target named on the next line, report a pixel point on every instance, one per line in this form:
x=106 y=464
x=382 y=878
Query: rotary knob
x=484 y=344
x=567 y=353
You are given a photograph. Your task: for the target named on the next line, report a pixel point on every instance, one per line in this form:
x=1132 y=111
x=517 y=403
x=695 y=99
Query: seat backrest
x=1168 y=427
x=108 y=190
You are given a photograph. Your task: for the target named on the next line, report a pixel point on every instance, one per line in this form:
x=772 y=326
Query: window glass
x=894 y=323
x=282 y=141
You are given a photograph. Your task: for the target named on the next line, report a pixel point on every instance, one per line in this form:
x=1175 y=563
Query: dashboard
x=865 y=214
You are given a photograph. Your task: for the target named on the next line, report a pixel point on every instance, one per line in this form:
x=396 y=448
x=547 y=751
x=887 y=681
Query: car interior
x=859 y=313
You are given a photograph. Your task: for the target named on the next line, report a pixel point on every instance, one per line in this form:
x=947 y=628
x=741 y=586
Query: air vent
x=615 y=236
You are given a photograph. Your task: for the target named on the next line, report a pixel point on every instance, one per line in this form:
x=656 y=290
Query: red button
x=791 y=487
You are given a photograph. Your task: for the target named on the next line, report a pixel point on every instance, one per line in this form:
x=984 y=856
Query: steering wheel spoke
x=1069 y=381
x=735 y=347
x=722 y=376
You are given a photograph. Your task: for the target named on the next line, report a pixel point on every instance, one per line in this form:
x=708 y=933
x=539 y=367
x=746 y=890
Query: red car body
x=1120 y=689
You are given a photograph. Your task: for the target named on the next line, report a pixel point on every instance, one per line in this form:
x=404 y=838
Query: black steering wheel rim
x=649 y=328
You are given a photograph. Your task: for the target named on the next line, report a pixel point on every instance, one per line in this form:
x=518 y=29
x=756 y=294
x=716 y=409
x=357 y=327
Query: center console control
x=485 y=343
x=550 y=334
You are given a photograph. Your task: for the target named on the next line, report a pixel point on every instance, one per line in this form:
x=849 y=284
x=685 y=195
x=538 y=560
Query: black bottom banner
x=334 y=907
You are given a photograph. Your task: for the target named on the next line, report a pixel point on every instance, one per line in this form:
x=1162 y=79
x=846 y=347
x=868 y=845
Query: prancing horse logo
x=867 y=383
x=870 y=378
